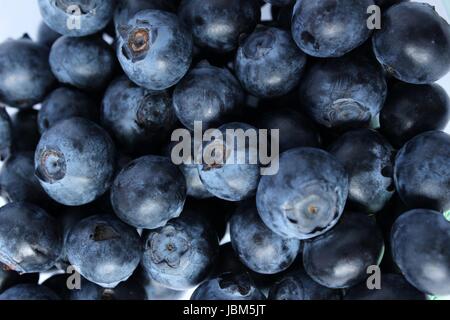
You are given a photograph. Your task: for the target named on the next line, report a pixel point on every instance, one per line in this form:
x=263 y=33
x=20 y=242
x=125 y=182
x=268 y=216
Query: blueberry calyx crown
x=52 y=166
x=168 y=246
x=138 y=42
x=259 y=44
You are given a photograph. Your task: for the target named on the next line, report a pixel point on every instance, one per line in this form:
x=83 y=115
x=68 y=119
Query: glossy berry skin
x=343 y=92
x=25 y=75
x=85 y=63
x=369 y=161
x=393 y=287
x=258 y=247
x=64 y=103
x=216 y=25
x=154 y=50
x=29 y=292
x=46 y=36
x=326 y=28
x=228 y=286
x=74 y=161
x=5 y=134
x=422 y=171
x=181 y=254
x=340 y=257
x=30 y=239
x=268 y=63
x=104 y=250
x=413 y=109
x=77 y=18
x=419 y=241
x=208 y=94
x=307 y=195
x=138 y=119
x=414 y=43
x=25 y=130
x=148 y=192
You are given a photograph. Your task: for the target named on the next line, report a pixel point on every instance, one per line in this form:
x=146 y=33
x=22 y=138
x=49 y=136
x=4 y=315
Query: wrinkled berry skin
x=258 y=247
x=6 y=135
x=30 y=239
x=217 y=24
x=414 y=43
x=148 y=192
x=104 y=250
x=85 y=63
x=343 y=92
x=393 y=287
x=77 y=18
x=368 y=159
x=137 y=118
x=46 y=36
x=64 y=103
x=306 y=197
x=413 y=109
x=25 y=75
x=325 y=28
x=228 y=286
x=25 y=130
x=419 y=241
x=208 y=94
x=154 y=50
x=74 y=161
x=422 y=171
x=340 y=257
x=29 y=292
x=181 y=254
x=268 y=63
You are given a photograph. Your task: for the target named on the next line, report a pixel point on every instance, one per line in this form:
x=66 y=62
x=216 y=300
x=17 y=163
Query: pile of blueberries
x=360 y=205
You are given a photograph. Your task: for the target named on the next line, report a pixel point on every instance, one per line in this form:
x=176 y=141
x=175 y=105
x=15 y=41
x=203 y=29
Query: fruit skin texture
x=25 y=75
x=325 y=28
x=148 y=192
x=414 y=43
x=419 y=241
x=340 y=257
x=75 y=161
x=422 y=171
x=77 y=18
x=268 y=63
x=216 y=24
x=368 y=159
x=413 y=109
x=343 y=92
x=5 y=134
x=154 y=50
x=306 y=197
x=181 y=254
x=85 y=63
x=29 y=292
x=30 y=239
x=208 y=94
x=228 y=286
x=104 y=250
x=258 y=247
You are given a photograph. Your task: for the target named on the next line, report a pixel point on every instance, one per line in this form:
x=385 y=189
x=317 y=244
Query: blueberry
x=268 y=63
x=414 y=43
x=85 y=63
x=77 y=18
x=155 y=51
x=208 y=94
x=46 y=36
x=340 y=257
x=29 y=292
x=413 y=109
x=6 y=135
x=10 y=278
x=343 y=92
x=259 y=248
x=419 y=243
x=422 y=171
x=368 y=158
x=216 y=24
x=25 y=130
x=25 y=75
x=306 y=197
x=325 y=28
x=228 y=286
x=181 y=254
x=64 y=103
x=104 y=250
x=148 y=192
x=154 y=290
x=30 y=239
x=74 y=161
